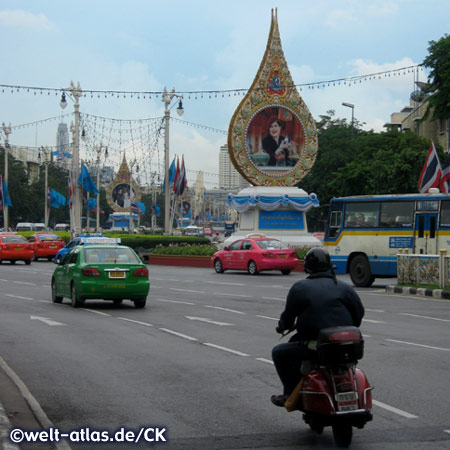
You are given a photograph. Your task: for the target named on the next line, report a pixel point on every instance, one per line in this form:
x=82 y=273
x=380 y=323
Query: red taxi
x=14 y=247
x=255 y=255
x=46 y=245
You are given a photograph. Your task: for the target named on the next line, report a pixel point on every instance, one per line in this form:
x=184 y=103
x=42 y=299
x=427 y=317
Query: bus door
x=425 y=236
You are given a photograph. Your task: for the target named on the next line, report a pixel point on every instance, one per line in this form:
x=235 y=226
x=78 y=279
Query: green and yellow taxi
x=99 y=271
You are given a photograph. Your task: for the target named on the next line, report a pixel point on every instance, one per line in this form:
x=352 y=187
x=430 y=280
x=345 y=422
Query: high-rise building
x=229 y=177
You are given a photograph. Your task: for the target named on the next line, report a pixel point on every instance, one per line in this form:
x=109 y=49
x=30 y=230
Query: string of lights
x=202 y=94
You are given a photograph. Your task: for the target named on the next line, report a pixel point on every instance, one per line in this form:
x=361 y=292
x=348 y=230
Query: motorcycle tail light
x=142 y=273
x=90 y=272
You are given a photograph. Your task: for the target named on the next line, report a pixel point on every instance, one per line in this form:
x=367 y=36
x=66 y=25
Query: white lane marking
x=187 y=290
x=419 y=345
x=204 y=319
x=95 y=312
x=366 y=335
x=375 y=310
x=24 y=282
x=47 y=321
x=372 y=321
x=274 y=298
x=232 y=295
x=136 y=321
x=173 y=301
x=424 y=317
x=225 y=349
x=447 y=431
x=225 y=309
x=225 y=283
x=264 y=360
x=265 y=317
x=394 y=410
x=2 y=279
x=184 y=336
x=17 y=296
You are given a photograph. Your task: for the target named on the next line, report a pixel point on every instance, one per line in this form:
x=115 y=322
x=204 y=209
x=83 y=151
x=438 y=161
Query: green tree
x=438 y=60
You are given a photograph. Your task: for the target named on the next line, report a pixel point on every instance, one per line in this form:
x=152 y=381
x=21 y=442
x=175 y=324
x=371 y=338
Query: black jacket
x=318 y=302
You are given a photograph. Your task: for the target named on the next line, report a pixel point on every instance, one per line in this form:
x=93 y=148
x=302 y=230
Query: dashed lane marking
x=224 y=309
x=372 y=321
x=135 y=321
x=95 y=312
x=18 y=296
x=394 y=410
x=184 y=336
x=232 y=295
x=419 y=345
x=264 y=360
x=265 y=317
x=225 y=349
x=187 y=290
x=424 y=317
x=173 y=301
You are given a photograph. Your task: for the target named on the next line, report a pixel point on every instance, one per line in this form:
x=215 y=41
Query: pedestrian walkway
x=435 y=293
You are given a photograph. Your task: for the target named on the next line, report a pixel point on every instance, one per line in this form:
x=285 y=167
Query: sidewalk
x=435 y=293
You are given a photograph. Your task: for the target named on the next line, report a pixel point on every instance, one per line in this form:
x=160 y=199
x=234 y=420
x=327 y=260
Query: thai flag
x=445 y=178
x=431 y=172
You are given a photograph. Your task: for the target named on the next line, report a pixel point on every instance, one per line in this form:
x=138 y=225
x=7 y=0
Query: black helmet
x=317 y=260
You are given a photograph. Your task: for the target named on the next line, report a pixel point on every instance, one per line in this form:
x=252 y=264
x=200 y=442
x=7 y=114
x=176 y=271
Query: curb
x=435 y=293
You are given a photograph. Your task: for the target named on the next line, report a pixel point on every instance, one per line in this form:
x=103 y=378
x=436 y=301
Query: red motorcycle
x=333 y=392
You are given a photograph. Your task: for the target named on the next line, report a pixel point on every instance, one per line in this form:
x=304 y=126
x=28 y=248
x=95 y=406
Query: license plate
x=347 y=401
x=18 y=248
x=116 y=274
x=282 y=255
x=53 y=246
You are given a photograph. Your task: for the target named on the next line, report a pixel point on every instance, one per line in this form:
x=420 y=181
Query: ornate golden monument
x=272 y=137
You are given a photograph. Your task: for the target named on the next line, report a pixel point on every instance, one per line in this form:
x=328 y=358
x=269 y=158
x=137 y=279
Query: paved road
x=196 y=361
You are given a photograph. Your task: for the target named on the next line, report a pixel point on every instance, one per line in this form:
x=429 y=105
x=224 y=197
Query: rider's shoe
x=279 y=400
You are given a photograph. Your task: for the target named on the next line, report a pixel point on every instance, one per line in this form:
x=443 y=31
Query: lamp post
x=45 y=151
x=349 y=105
x=131 y=221
x=167 y=98
x=7 y=131
x=75 y=93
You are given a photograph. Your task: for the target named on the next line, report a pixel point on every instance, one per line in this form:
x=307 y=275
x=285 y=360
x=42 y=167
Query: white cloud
x=27 y=20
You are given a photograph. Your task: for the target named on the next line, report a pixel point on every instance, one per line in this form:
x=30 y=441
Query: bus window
x=396 y=214
x=335 y=223
x=445 y=214
x=361 y=215
x=421 y=226
x=432 y=227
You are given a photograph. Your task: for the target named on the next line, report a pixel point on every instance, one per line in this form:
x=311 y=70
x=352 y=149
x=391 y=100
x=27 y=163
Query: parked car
x=95 y=271
x=255 y=255
x=14 y=247
x=25 y=226
x=39 y=226
x=83 y=240
x=62 y=227
x=46 y=245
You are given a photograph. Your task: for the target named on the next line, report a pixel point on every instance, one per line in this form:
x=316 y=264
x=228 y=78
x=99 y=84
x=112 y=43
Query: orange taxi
x=46 y=245
x=14 y=247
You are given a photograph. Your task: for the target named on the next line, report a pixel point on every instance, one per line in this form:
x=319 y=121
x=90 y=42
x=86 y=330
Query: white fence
x=423 y=269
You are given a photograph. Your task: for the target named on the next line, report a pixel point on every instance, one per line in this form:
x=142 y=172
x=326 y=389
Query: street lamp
x=349 y=105
x=167 y=99
x=75 y=93
x=99 y=151
x=130 y=184
x=46 y=161
x=7 y=131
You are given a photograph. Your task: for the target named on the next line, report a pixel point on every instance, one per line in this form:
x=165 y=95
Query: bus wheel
x=360 y=272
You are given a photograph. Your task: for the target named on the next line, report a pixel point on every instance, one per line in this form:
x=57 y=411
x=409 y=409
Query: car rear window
x=48 y=237
x=13 y=239
x=122 y=255
x=270 y=244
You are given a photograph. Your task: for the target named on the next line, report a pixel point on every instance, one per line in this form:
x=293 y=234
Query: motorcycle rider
x=319 y=301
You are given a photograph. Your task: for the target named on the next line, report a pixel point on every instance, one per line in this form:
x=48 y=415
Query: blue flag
x=172 y=170
x=86 y=181
x=92 y=204
x=56 y=199
x=6 y=199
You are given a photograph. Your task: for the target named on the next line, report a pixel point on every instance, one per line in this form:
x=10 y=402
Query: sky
x=198 y=46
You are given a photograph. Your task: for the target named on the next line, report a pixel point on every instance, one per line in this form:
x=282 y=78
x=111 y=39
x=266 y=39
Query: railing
x=423 y=269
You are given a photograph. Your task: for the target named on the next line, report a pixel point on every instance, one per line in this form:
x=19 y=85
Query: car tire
x=140 y=302
x=286 y=271
x=55 y=298
x=49 y=258
x=35 y=258
x=218 y=266
x=252 y=268
x=118 y=301
x=13 y=261
x=28 y=262
x=75 y=300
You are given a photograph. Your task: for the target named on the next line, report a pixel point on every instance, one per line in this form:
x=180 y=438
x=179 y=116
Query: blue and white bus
x=365 y=233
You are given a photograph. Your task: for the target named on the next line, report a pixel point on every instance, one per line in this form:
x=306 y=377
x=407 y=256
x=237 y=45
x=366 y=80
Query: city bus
x=365 y=233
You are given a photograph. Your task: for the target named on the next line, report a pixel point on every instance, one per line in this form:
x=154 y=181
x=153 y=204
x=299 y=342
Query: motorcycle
x=333 y=391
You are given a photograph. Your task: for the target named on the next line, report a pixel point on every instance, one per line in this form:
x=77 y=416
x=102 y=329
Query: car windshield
x=48 y=237
x=14 y=239
x=110 y=255
x=270 y=244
